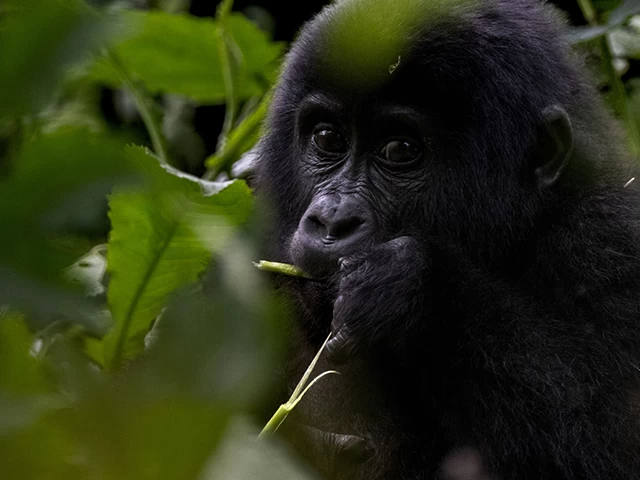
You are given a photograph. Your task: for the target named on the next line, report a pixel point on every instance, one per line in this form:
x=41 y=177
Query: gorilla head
x=446 y=172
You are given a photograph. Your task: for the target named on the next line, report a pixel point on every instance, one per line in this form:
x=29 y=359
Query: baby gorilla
x=457 y=191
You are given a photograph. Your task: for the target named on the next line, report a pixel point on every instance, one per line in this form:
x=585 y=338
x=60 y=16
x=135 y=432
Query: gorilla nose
x=333 y=228
x=335 y=219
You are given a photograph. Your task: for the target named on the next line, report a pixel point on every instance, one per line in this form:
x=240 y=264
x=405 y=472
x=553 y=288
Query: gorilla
x=459 y=194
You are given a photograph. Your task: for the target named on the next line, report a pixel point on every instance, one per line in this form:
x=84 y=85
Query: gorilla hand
x=380 y=292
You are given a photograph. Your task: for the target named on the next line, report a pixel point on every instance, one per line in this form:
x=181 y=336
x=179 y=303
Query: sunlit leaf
x=156 y=247
x=178 y=54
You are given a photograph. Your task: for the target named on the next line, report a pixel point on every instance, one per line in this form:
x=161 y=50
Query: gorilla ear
x=555 y=143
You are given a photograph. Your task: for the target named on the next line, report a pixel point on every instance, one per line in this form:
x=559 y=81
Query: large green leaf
x=179 y=54
x=57 y=188
x=39 y=40
x=162 y=238
x=58 y=185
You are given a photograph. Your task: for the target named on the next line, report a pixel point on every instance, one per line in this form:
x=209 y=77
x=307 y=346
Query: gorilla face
x=363 y=166
x=413 y=153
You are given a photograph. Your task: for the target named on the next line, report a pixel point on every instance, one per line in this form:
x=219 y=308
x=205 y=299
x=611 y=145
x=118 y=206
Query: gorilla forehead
x=442 y=48
x=361 y=39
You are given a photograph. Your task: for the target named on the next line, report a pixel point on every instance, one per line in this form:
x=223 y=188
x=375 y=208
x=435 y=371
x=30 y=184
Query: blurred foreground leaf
x=57 y=188
x=39 y=41
x=21 y=373
x=244 y=456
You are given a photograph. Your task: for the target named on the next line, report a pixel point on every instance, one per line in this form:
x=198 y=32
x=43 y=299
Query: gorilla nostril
x=346 y=228
x=315 y=220
x=335 y=219
x=315 y=225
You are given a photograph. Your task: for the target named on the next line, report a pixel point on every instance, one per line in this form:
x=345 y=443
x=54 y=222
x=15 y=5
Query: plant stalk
x=142 y=102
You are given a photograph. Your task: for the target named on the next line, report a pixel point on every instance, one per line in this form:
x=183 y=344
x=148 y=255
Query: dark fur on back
x=521 y=334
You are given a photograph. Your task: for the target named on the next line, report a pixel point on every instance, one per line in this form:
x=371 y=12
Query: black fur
x=473 y=305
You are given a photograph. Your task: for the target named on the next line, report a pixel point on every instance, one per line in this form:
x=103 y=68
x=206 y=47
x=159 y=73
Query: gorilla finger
x=345 y=263
x=463 y=464
x=339 y=348
x=354 y=447
x=338 y=306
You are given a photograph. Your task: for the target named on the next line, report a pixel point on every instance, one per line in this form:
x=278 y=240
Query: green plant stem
x=588 y=11
x=222 y=41
x=301 y=389
x=223 y=159
x=274 y=422
x=283 y=268
x=618 y=92
x=142 y=102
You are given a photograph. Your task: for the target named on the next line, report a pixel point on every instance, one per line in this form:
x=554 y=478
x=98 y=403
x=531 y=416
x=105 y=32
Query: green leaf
x=39 y=41
x=57 y=188
x=20 y=373
x=162 y=238
x=126 y=437
x=179 y=54
x=240 y=140
x=242 y=455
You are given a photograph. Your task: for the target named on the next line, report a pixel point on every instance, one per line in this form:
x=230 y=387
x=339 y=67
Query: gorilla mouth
x=318 y=263
x=320 y=257
x=329 y=240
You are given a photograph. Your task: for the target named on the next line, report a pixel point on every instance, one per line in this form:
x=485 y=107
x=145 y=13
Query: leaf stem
x=143 y=104
x=223 y=38
x=236 y=143
x=114 y=350
x=283 y=268
x=283 y=411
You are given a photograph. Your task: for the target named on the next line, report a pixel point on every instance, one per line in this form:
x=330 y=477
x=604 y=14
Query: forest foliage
x=137 y=340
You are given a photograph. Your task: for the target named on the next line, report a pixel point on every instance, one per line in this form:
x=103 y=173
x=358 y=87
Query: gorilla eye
x=329 y=141
x=399 y=151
